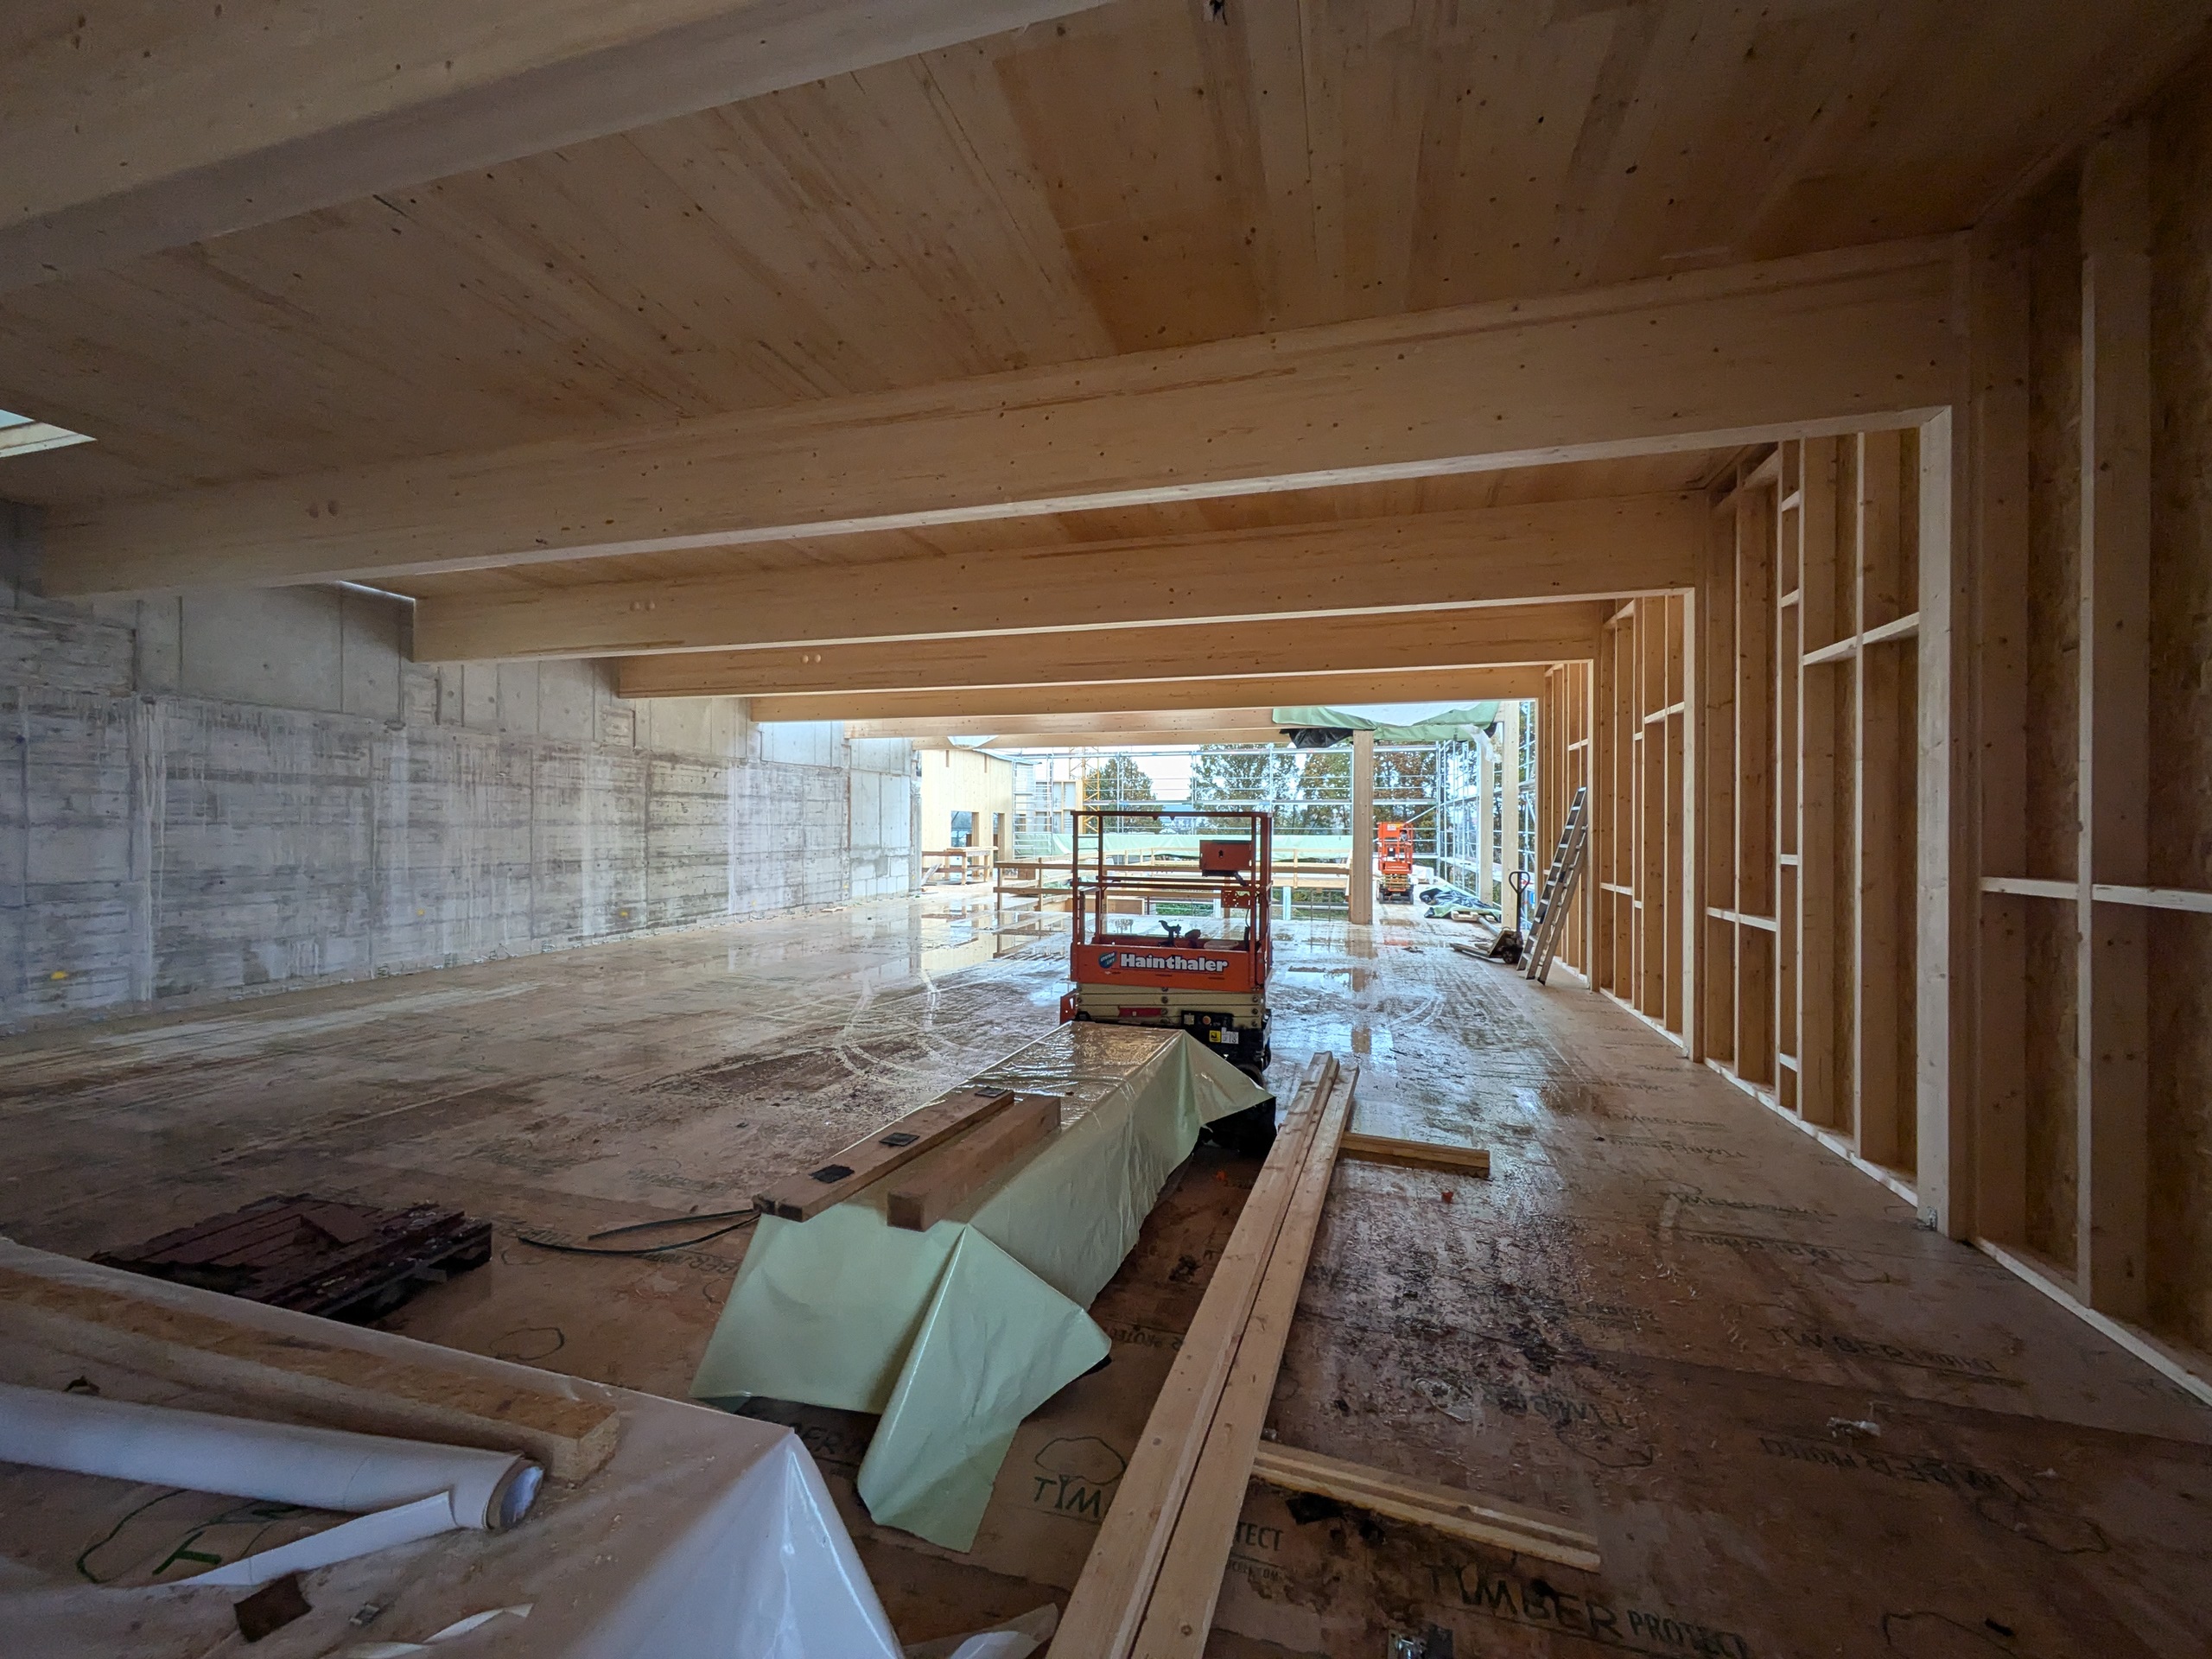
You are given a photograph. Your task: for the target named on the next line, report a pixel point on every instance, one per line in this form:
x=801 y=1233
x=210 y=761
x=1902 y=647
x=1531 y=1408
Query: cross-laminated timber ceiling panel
x=1828 y=343
x=1559 y=550
x=1150 y=174
x=238 y=115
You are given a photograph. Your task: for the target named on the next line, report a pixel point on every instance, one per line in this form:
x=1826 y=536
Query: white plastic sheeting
x=705 y=1536
x=956 y=1334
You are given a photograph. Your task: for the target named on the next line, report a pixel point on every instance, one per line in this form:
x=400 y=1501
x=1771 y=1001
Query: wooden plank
x=803 y=1196
x=1415 y=1155
x=1477 y=557
x=971 y=1160
x=1441 y=1509
x=1882 y=834
x=1829 y=342
x=1108 y=1599
x=2112 y=1158
x=1127 y=696
x=321 y=108
x=1178 y=1614
x=101 y=1314
x=1435 y=636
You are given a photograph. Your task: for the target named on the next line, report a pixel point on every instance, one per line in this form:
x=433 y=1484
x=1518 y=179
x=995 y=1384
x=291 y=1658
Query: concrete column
x=1363 y=827
x=1508 y=797
x=1485 y=838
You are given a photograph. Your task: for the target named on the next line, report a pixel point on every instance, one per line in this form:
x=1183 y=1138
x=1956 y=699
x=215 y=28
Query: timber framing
x=1822 y=343
x=1432 y=637
x=320 y=109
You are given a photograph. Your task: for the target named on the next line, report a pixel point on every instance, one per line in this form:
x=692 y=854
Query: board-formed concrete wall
x=226 y=792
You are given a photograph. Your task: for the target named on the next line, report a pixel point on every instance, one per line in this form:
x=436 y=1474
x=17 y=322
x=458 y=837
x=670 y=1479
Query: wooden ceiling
x=1148 y=173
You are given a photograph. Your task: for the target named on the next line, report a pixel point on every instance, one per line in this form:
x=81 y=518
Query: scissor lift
x=1207 y=976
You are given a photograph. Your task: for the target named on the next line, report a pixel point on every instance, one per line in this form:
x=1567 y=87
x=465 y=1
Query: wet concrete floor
x=1797 y=1422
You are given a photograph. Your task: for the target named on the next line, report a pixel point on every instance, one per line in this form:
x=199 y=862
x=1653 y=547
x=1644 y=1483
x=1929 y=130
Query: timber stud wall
x=2093 y=1116
x=1805 y=925
x=1902 y=817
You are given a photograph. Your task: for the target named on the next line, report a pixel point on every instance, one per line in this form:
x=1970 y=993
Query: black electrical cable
x=749 y=1215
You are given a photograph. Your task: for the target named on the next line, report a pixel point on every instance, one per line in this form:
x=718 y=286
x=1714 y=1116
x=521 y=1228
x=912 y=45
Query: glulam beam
x=1830 y=342
x=1474 y=636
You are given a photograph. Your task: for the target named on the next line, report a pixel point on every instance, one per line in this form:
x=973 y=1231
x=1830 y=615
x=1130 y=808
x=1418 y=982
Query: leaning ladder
x=1557 y=892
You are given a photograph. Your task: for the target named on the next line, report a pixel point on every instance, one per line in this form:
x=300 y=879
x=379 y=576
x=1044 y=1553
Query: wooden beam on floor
x=179 y=1335
x=1415 y=1155
x=154 y=127
x=1550 y=551
x=1441 y=1509
x=1020 y=704
x=1108 y=1604
x=1432 y=637
x=1178 y=1612
x=807 y=1192
x=926 y=1196
x=1827 y=343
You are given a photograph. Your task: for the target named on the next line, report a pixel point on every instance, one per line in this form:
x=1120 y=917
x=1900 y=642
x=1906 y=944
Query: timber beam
x=1165 y=726
x=1829 y=342
x=1023 y=702
x=156 y=126
x=1555 y=550
x=1430 y=638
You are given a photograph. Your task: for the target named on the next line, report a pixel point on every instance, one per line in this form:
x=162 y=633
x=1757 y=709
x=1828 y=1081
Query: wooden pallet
x=316 y=1256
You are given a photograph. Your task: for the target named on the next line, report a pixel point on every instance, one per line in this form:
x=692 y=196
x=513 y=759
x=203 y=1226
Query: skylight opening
x=21 y=435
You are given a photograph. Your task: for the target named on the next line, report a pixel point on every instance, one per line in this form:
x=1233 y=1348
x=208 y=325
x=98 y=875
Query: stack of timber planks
x=1153 y=1577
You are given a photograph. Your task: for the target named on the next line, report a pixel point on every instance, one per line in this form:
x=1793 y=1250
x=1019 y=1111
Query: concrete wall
x=224 y=791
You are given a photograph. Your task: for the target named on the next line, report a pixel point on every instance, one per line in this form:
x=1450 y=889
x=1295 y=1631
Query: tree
x=1120 y=782
x=1241 y=780
x=1324 y=806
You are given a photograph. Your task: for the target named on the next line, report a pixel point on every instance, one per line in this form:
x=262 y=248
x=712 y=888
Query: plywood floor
x=1798 y=1423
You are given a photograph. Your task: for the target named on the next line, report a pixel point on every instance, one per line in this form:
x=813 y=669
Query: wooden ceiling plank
x=1480 y=636
x=153 y=131
x=1827 y=343
x=1026 y=703
x=1502 y=556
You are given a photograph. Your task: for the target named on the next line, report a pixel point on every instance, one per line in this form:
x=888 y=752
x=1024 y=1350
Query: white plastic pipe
x=416 y=1488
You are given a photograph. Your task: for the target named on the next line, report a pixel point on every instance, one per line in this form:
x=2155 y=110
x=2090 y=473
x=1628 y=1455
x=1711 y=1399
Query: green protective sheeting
x=1445 y=726
x=955 y=1335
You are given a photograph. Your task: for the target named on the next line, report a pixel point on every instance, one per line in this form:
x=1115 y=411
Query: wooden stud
x=1881 y=906
x=2113 y=1160
x=1999 y=348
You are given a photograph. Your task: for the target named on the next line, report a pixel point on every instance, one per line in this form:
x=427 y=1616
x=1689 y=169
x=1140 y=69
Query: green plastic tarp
x=955 y=1335
x=1445 y=726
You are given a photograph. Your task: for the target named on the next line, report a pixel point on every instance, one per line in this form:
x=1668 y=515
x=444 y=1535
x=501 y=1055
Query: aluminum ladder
x=1557 y=894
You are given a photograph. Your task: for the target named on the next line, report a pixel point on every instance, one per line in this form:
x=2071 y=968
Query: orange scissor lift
x=1208 y=978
